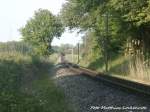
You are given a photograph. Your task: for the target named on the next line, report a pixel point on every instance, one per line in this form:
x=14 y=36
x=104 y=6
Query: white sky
x=15 y=13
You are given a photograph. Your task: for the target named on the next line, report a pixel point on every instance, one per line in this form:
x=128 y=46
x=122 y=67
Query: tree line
x=115 y=25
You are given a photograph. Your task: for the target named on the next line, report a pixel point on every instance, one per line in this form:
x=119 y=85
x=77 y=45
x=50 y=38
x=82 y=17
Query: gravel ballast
x=88 y=95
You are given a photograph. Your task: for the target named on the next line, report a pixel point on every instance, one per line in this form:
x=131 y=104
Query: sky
x=15 y=13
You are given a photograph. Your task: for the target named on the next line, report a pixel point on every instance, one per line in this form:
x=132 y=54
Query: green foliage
x=127 y=19
x=113 y=24
x=135 y=13
x=51 y=98
x=89 y=49
x=40 y=31
x=132 y=10
x=26 y=86
x=12 y=72
x=113 y=28
x=19 y=102
x=20 y=47
x=94 y=17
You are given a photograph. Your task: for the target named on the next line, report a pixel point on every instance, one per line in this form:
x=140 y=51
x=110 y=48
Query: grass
x=130 y=67
x=119 y=66
x=98 y=64
x=125 y=67
x=50 y=97
x=138 y=70
x=26 y=85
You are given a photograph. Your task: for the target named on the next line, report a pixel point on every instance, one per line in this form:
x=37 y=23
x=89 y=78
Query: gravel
x=87 y=95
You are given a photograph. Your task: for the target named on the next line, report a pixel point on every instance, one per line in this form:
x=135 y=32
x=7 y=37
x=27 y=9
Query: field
x=26 y=84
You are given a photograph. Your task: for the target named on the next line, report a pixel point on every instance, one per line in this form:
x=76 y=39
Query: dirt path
x=87 y=95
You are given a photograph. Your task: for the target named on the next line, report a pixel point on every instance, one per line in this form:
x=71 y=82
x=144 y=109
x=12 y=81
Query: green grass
x=26 y=85
x=97 y=64
x=50 y=97
x=123 y=66
x=119 y=66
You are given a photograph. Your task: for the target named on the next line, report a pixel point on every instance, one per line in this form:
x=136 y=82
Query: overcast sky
x=15 y=13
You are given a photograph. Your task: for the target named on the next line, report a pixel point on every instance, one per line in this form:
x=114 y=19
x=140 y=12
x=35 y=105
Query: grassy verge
x=26 y=85
x=124 y=67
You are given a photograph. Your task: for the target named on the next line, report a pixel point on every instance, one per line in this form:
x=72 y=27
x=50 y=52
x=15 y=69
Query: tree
x=136 y=14
x=129 y=20
x=89 y=15
x=40 y=31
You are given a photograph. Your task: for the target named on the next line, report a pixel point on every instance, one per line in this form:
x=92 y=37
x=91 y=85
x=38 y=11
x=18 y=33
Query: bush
x=25 y=85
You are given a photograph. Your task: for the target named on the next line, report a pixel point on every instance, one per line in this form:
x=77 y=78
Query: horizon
x=15 y=14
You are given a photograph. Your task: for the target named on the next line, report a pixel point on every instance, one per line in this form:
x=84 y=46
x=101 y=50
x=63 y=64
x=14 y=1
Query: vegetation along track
x=98 y=95
x=139 y=88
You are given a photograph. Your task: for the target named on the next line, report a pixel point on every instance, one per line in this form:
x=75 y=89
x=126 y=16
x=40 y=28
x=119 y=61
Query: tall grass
x=138 y=70
x=13 y=47
x=131 y=67
x=25 y=84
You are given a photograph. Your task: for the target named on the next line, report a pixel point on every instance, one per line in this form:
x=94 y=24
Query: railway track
x=138 y=88
x=89 y=91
